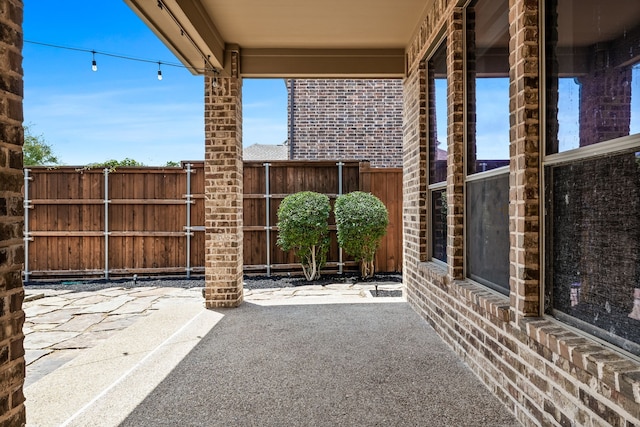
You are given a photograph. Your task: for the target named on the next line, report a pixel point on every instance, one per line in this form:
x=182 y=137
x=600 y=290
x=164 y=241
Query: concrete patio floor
x=318 y=356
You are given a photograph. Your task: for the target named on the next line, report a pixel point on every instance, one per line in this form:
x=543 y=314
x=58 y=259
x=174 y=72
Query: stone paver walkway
x=60 y=324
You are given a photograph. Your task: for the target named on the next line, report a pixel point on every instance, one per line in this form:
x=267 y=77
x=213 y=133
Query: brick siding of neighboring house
x=346 y=119
x=12 y=363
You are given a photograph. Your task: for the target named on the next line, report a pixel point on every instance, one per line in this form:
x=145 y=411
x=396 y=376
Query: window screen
x=487 y=231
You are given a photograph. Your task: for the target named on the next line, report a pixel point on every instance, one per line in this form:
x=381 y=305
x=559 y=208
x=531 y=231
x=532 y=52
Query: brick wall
x=524 y=176
x=543 y=371
x=346 y=119
x=605 y=103
x=12 y=365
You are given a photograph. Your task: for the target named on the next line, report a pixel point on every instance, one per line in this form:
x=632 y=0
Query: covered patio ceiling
x=288 y=38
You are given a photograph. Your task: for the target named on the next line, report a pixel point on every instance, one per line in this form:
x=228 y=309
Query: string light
x=208 y=66
x=183 y=33
x=162 y=6
x=94 y=64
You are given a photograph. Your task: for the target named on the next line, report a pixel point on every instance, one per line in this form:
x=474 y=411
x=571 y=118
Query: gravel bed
x=250 y=282
x=80 y=285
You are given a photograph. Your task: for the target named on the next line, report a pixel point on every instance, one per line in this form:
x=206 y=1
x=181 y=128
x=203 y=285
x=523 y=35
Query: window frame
x=611 y=147
x=616 y=146
x=442 y=185
x=477 y=176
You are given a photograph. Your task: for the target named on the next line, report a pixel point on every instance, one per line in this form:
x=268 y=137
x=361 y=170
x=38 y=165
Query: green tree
x=35 y=150
x=113 y=164
x=172 y=164
x=361 y=220
x=303 y=224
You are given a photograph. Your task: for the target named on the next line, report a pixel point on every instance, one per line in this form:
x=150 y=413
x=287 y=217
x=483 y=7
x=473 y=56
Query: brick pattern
x=524 y=154
x=346 y=119
x=12 y=363
x=223 y=189
x=545 y=373
x=415 y=170
x=455 y=144
x=427 y=35
x=471 y=63
x=552 y=65
x=605 y=107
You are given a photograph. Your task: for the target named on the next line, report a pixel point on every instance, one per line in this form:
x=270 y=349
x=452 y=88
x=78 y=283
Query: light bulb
x=94 y=65
x=159 y=75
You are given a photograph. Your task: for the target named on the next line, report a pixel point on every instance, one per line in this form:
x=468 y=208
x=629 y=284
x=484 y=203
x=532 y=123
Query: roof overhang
x=288 y=38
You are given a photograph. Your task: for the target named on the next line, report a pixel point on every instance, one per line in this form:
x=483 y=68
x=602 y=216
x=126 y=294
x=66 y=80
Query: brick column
x=455 y=145
x=415 y=169
x=223 y=189
x=472 y=117
x=525 y=159
x=12 y=365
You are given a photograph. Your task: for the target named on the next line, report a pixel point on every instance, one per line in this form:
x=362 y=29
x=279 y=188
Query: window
x=437 y=140
x=592 y=167
x=439 y=224
x=487 y=231
x=487 y=187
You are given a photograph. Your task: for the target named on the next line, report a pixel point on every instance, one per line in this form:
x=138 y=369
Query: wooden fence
x=149 y=221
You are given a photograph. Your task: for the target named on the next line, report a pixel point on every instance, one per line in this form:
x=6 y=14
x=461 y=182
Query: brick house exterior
x=346 y=119
x=547 y=373
x=12 y=362
x=545 y=369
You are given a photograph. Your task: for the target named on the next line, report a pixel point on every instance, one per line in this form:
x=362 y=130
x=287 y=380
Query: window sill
x=566 y=348
x=483 y=300
x=620 y=372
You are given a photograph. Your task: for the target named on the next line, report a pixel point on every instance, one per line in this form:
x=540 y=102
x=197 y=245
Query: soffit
x=589 y=22
x=365 y=38
x=316 y=24
x=336 y=38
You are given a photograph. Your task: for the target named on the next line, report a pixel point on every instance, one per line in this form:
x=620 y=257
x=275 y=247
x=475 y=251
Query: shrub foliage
x=303 y=222
x=361 y=219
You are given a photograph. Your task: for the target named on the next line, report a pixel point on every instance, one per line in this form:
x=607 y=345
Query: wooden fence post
x=106 y=223
x=188 y=232
x=27 y=237
x=340 y=262
x=365 y=177
x=267 y=227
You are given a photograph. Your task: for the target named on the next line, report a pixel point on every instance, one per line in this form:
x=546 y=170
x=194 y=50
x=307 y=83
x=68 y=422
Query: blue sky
x=123 y=110
x=492 y=114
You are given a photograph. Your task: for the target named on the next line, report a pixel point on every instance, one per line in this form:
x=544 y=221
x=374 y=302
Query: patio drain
x=386 y=293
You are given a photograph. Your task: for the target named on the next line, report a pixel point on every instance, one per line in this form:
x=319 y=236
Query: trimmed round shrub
x=361 y=219
x=303 y=223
